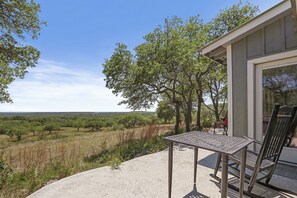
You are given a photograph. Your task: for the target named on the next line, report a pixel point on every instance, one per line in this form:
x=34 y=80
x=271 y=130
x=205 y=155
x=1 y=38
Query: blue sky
x=80 y=35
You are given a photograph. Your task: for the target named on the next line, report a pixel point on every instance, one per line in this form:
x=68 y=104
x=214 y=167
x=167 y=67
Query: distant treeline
x=19 y=124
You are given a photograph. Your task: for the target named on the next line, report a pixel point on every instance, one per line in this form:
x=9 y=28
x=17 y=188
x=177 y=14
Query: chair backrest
x=277 y=131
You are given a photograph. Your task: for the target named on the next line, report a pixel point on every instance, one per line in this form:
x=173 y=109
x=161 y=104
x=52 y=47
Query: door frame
x=254 y=91
x=259 y=89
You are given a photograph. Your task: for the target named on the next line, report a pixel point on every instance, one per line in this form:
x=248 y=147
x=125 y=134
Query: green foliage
x=117 y=68
x=29 y=177
x=10 y=133
x=50 y=127
x=18 y=126
x=230 y=18
x=208 y=117
x=127 y=151
x=116 y=127
x=167 y=64
x=165 y=111
x=162 y=65
x=19 y=19
x=5 y=171
x=19 y=132
x=95 y=125
x=78 y=124
x=14 y=129
x=23 y=183
x=133 y=120
x=216 y=87
x=215 y=80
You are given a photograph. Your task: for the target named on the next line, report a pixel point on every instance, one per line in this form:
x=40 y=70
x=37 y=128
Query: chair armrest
x=256 y=141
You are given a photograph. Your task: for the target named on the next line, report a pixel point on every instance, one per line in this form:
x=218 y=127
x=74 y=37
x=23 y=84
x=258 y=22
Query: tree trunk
x=188 y=116
x=215 y=103
x=199 y=104
x=217 y=113
x=177 y=117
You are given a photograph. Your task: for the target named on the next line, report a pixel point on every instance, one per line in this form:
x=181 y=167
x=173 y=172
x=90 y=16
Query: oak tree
x=19 y=20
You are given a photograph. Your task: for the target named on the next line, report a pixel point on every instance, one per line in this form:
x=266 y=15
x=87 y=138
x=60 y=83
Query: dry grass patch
x=34 y=164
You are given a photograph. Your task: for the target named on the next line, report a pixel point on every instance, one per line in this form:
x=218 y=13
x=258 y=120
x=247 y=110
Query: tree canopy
x=230 y=18
x=167 y=65
x=19 y=20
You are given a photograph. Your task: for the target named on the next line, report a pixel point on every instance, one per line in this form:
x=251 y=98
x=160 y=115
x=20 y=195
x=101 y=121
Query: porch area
x=147 y=176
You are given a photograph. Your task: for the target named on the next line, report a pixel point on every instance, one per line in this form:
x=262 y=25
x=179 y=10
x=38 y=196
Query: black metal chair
x=265 y=161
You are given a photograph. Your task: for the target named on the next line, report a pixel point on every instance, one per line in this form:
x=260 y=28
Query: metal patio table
x=226 y=145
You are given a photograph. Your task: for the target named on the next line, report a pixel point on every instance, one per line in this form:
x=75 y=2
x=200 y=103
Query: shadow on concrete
x=208 y=161
x=195 y=194
x=260 y=190
x=231 y=193
x=286 y=171
x=283 y=170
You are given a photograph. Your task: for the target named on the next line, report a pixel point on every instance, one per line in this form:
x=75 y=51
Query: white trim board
x=250 y=25
x=230 y=92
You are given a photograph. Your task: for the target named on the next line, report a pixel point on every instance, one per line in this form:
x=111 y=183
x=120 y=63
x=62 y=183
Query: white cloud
x=54 y=87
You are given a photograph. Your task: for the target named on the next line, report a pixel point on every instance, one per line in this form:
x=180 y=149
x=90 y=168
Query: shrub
x=115 y=127
x=10 y=133
x=95 y=125
x=34 y=127
x=17 y=131
x=133 y=120
x=5 y=171
x=19 y=135
x=165 y=111
x=50 y=127
x=78 y=124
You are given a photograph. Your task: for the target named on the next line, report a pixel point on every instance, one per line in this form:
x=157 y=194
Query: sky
x=80 y=35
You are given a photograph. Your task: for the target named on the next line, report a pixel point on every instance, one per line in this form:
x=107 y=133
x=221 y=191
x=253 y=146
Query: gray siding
x=253 y=47
x=290 y=34
x=273 y=37
x=278 y=36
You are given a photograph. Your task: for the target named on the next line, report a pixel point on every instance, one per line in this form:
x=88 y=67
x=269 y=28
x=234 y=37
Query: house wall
x=278 y=36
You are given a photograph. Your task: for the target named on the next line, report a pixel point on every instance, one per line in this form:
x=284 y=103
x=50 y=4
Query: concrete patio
x=146 y=176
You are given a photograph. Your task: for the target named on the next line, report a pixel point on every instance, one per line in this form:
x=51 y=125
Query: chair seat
x=251 y=158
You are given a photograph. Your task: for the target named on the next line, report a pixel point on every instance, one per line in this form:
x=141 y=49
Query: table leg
x=242 y=171
x=224 y=181
x=170 y=159
x=195 y=163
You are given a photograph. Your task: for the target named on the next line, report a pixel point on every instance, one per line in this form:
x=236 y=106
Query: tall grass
x=35 y=165
x=130 y=147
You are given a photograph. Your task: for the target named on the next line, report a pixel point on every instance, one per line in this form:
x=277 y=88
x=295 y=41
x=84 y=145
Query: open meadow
x=37 y=149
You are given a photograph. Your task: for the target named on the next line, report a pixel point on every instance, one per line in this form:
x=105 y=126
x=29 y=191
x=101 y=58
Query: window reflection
x=279 y=86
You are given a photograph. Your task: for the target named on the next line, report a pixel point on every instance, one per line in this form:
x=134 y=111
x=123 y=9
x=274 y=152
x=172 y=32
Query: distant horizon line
x=73 y=111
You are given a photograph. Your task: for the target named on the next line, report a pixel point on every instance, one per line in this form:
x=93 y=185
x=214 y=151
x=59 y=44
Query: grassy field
x=67 y=144
x=42 y=157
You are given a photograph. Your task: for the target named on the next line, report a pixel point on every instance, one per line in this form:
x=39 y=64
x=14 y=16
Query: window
x=279 y=85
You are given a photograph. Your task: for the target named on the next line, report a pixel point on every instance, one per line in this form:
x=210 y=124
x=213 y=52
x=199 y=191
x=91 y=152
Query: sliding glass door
x=276 y=82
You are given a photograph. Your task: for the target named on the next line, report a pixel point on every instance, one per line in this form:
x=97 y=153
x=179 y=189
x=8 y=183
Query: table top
x=209 y=141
